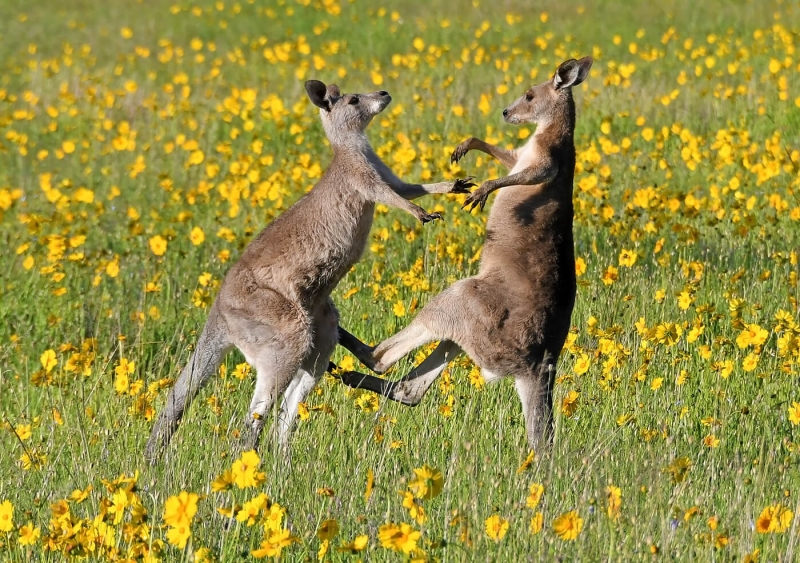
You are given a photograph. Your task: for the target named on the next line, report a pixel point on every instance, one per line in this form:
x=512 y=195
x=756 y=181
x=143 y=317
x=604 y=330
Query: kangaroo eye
x=353 y=101
x=528 y=96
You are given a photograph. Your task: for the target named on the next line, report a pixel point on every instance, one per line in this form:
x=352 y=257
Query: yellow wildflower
x=774 y=519
x=614 y=497
x=794 y=413
x=274 y=544
x=180 y=509
x=197 y=236
x=428 y=482
x=496 y=527
x=28 y=534
x=568 y=525
x=158 y=245
x=6 y=516
x=398 y=538
x=179 y=535
x=360 y=543
x=570 y=403
x=535 y=493
x=537 y=522
x=244 y=470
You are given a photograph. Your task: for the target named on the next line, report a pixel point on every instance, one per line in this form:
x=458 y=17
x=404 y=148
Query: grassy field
x=143 y=144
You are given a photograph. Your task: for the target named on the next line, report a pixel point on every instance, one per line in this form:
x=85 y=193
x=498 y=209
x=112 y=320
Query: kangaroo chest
x=529 y=231
x=342 y=243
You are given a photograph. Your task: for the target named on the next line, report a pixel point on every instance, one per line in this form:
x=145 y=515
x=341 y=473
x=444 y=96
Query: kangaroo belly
x=336 y=256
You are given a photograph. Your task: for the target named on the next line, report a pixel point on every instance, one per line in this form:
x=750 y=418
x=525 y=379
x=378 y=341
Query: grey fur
x=274 y=304
x=513 y=317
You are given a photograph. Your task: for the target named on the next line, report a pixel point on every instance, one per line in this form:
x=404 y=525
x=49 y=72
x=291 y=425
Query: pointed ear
x=333 y=91
x=318 y=94
x=572 y=72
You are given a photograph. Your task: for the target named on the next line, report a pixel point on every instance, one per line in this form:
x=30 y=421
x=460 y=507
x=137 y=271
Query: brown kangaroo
x=513 y=317
x=274 y=304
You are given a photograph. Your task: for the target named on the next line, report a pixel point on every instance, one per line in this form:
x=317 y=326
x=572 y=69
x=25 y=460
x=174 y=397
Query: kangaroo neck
x=555 y=133
x=350 y=145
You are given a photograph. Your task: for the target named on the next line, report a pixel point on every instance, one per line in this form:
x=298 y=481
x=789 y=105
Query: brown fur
x=274 y=305
x=513 y=317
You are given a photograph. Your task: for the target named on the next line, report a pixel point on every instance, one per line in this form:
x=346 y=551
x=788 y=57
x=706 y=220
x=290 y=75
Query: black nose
x=383 y=93
x=505 y=112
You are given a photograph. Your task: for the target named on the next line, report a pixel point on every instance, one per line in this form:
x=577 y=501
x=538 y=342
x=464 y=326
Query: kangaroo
x=274 y=304
x=513 y=317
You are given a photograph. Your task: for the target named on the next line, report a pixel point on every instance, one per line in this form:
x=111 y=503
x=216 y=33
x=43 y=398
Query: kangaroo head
x=542 y=103
x=345 y=114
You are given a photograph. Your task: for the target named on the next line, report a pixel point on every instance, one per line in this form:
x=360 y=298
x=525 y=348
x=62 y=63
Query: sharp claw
x=462 y=185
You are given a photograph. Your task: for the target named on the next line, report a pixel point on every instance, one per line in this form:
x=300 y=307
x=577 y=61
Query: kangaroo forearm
x=507 y=157
x=529 y=177
x=165 y=426
x=386 y=195
x=390 y=197
x=358 y=380
x=532 y=175
x=413 y=191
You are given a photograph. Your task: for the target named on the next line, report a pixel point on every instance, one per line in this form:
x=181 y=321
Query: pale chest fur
x=527 y=155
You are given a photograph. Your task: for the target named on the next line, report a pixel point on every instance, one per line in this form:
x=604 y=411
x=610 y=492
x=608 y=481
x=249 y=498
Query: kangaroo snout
x=380 y=99
x=505 y=112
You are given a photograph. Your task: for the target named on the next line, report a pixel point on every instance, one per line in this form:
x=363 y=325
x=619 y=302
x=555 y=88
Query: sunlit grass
x=143 y=145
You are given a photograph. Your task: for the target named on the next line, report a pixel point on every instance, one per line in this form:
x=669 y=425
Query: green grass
x=623 y=432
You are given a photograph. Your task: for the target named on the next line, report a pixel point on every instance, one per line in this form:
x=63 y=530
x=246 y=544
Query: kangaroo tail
x=211 y=348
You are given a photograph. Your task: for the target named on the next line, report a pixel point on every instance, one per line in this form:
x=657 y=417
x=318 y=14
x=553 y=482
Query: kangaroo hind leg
x=363 y=352
x=213 y=344
x=411 y=388
x=275 y=370
x=448 y=316
x=535 y=389
x=326 y=335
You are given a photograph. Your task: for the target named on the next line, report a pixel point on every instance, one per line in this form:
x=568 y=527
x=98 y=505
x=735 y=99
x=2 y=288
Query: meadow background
x=144 y=143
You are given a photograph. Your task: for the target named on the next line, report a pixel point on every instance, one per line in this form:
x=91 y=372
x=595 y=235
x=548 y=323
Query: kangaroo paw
x=462 y=185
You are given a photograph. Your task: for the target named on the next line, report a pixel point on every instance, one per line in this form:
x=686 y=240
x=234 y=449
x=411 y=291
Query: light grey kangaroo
x=513 y=317
x=274 y=304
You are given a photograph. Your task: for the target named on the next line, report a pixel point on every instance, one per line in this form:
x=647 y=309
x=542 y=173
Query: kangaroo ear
x=333 y=91
x=571 y=73
x=318 y=94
